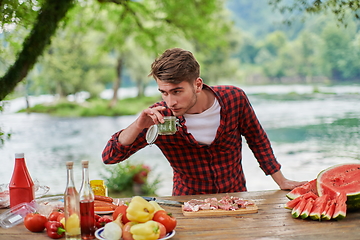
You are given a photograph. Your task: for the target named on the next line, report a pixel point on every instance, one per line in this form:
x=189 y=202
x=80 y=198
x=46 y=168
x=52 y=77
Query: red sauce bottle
x=21 y=187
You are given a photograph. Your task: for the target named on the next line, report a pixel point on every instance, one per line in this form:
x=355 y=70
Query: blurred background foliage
x=110 y=44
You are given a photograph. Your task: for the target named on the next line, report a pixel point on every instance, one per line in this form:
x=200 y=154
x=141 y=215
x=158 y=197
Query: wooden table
x=272 y=221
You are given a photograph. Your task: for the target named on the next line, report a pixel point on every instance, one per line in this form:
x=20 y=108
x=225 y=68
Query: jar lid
x=152 y=133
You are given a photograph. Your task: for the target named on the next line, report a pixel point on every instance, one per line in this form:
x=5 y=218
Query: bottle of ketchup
x=21 y=187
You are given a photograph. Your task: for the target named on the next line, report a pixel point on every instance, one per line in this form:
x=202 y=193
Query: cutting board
x=220 y=212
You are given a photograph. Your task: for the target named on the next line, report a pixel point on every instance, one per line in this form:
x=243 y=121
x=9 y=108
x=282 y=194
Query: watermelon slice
x=319 y=205
x=306 y=211
x=297 y=210
x=301 y=190
x=326 y=208
x=291 y=204
x=341 y=178
x=329 y=210
x=340 y=207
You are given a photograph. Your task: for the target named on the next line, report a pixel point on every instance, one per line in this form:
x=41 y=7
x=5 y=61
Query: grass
x=94 y=107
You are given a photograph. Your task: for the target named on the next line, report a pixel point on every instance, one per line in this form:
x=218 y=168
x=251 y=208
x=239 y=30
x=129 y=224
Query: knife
x=164 y=202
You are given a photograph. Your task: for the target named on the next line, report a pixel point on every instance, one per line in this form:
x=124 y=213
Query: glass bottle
x=86 y=204
x=72 y=206
x=21 y=187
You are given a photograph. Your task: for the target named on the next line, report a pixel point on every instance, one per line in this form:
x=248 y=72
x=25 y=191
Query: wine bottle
x=86 y=205
x=72 y=206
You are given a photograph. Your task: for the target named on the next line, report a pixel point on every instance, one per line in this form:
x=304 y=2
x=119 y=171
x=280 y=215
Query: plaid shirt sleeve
x=114 y=152
x=256 y=137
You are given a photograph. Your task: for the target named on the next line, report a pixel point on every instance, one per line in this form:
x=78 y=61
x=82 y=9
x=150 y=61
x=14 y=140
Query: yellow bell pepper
x=140 y=210
x=156 y=206
x=145 y=231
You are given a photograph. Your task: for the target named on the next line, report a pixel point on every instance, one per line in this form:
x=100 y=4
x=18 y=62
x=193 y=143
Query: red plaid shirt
x=214 y=168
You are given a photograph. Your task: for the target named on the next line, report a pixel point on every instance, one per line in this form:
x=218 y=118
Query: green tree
x=156 y=25
x=269 y=52
x=340 y=9
x=338 y=50
x=47 y=21
x=151 y=24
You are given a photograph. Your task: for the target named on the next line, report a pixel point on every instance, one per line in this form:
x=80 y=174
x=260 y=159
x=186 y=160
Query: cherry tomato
x=35 y=222
x=166 y=219
x=126 y=234
x=54 y=215
x=104 y=220
x=121 y=209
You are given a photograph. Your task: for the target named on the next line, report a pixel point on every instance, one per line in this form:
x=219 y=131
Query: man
x=205 y=152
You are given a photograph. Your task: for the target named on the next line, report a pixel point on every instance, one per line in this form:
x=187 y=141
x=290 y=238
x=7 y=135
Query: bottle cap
x=19 y=155
x=69 y=165
x=85 y=163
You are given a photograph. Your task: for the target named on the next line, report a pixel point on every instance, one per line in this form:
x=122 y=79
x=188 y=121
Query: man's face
x=180 y=98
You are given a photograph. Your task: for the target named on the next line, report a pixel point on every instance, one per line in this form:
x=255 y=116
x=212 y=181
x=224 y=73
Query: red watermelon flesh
x=306 y=211
x=305 y=188
x=340 y=207
x=319 y=204
x=291 y=204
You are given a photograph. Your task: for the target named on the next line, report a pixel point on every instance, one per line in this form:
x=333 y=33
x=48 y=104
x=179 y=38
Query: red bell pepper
x=54 y=229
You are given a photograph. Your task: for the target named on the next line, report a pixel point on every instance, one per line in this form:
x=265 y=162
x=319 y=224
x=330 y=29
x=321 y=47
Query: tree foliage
x=151 y=24
x=340 y=8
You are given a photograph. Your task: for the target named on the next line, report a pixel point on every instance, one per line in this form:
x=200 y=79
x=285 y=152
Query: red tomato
x=126 y=234
x=121 y=209
x=35 y=222
x=54 y=215
x=162 y=230
x=61 y=216
x=166 y=219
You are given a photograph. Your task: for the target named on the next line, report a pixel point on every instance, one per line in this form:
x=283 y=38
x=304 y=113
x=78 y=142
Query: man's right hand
x=147 y=118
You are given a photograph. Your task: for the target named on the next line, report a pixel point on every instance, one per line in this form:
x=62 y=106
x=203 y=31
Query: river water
x=308 y=134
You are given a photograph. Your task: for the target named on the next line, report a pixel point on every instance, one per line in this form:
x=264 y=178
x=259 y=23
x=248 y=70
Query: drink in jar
x=168 y=127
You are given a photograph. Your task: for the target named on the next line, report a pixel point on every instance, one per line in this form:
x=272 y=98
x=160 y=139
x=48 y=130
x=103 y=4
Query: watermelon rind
x=353 y=198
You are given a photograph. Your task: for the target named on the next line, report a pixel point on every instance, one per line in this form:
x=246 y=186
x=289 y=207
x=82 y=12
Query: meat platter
x=227 y=205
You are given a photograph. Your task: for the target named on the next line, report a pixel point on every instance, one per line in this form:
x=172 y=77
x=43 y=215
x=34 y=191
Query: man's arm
x=284 y=183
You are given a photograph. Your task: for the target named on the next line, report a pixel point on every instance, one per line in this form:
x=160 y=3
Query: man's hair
x=175 y=65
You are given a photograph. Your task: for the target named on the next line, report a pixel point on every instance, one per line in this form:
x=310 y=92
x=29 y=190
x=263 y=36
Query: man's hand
x=150 y=116
x=147 y=118
x=284 y=183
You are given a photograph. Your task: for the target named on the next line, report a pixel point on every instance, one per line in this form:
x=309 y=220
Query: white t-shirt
x=203 y=126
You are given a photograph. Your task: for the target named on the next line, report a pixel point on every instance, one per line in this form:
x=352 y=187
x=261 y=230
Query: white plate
x=99 y=234
x=104 y=212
